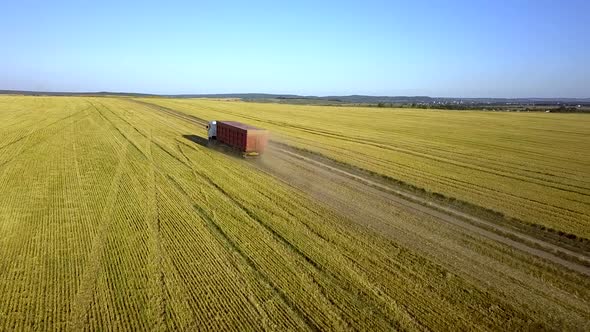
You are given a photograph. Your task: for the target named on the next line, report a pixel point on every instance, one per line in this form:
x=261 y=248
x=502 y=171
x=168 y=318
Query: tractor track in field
x=510 y=237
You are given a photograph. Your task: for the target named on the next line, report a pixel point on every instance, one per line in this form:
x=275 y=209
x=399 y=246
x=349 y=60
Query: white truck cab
x=212 y=130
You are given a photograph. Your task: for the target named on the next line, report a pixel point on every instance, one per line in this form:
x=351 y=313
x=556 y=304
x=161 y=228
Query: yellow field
x=531 y=166
x=111 y=220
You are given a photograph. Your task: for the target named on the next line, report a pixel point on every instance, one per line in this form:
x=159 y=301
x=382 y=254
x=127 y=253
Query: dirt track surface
x=370 y=202
x=496 y=263
x=439 y=212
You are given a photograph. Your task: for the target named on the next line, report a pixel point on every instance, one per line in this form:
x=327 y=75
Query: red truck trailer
x=249 y=140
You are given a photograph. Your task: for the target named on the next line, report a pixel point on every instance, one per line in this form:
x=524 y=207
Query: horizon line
x=8 y=91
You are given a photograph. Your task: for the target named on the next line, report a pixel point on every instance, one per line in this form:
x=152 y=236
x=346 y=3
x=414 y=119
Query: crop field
x=112 y=219
x=534 y=167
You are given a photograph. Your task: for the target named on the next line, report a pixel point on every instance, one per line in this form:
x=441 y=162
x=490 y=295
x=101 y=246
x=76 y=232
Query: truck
x=248 y=140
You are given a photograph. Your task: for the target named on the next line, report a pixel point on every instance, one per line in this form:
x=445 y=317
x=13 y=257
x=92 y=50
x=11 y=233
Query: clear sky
x=468 y=48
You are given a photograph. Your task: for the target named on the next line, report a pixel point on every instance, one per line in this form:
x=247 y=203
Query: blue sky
x=439 y=48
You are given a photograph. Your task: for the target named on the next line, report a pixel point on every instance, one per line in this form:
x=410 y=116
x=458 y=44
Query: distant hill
x=46 y=93
x=352 y=99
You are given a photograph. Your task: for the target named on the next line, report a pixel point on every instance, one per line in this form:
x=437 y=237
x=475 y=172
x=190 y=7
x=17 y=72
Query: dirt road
x=448 y=215
x=372 y=204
